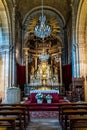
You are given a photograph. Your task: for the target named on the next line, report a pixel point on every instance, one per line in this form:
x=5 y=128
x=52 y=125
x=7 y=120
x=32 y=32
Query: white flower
x=49 y=96
x=39 y=96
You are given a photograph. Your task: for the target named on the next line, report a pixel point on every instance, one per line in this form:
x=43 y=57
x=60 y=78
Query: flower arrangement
x=39 y=96
x=49 y=97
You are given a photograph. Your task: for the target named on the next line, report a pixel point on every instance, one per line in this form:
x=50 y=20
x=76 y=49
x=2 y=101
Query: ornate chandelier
x=42 y=30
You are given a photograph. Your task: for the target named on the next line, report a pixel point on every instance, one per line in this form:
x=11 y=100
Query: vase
x=49 y=101
x=39 y=101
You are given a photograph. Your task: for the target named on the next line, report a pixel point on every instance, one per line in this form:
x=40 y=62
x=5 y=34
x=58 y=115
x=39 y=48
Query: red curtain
x=67 y=75
x=21 y=77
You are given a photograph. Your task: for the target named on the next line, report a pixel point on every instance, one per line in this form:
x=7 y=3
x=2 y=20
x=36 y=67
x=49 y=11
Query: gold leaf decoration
x=52 y=22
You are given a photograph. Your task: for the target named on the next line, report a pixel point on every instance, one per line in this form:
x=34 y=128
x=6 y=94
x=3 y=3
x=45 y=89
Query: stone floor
x=44 y=124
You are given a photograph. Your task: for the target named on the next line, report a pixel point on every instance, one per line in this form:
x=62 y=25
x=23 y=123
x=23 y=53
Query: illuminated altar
x=45 y=71
x=43 y=76
x=43 y=53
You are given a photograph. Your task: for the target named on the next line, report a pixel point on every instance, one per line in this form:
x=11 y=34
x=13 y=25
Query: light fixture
x=42 y=30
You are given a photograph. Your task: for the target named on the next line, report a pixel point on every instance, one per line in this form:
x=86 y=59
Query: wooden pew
x=68 y=112
x=17 y=113
x=68 y=107
x=63 y=106
x=22 y=108
x=4 y=128
x=19 y=105
x=11 y=120
x=77 y=121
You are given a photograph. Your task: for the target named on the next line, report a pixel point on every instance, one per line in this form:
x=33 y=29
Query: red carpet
x=44 y=114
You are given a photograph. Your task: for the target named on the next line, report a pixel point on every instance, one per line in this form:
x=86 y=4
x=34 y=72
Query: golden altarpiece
x=43 y=52
x=43 y=65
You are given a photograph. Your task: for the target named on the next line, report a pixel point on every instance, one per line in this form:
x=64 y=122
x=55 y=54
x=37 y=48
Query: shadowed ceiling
x=62 y=6
x=59 y=10
x=28 y=10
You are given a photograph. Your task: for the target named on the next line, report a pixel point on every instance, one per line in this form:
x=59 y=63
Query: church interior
x=43 y=49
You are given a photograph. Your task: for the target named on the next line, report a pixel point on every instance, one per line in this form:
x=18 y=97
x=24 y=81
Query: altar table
x=44 y=91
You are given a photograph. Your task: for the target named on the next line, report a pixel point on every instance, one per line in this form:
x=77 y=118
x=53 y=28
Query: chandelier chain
x=42 y=30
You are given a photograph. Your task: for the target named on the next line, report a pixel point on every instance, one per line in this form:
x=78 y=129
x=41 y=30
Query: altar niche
x=45 y=68
x=47 y=76
x=44 y=76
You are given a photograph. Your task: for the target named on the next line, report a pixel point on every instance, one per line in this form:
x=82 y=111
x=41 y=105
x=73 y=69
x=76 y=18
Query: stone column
x=13 y=64
x=10 y=67
x=60 y=71
x=77 y=61
x=14 y=67
x=75 y=48
x=26 y=54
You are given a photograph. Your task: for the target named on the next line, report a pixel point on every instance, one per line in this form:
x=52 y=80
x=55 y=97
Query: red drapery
x=67 y=75
x=21 y=78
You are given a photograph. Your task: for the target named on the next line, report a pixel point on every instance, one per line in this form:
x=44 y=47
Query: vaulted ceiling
x=62 y=6
x=26 y=10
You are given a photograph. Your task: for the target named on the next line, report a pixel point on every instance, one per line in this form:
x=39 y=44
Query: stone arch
x=49 y=12
x=81 y=39
x=4 y=48
x=47 y=8
x=36 y=12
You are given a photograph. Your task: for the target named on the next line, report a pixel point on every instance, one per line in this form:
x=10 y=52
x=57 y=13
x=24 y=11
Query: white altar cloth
x=44 y=91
